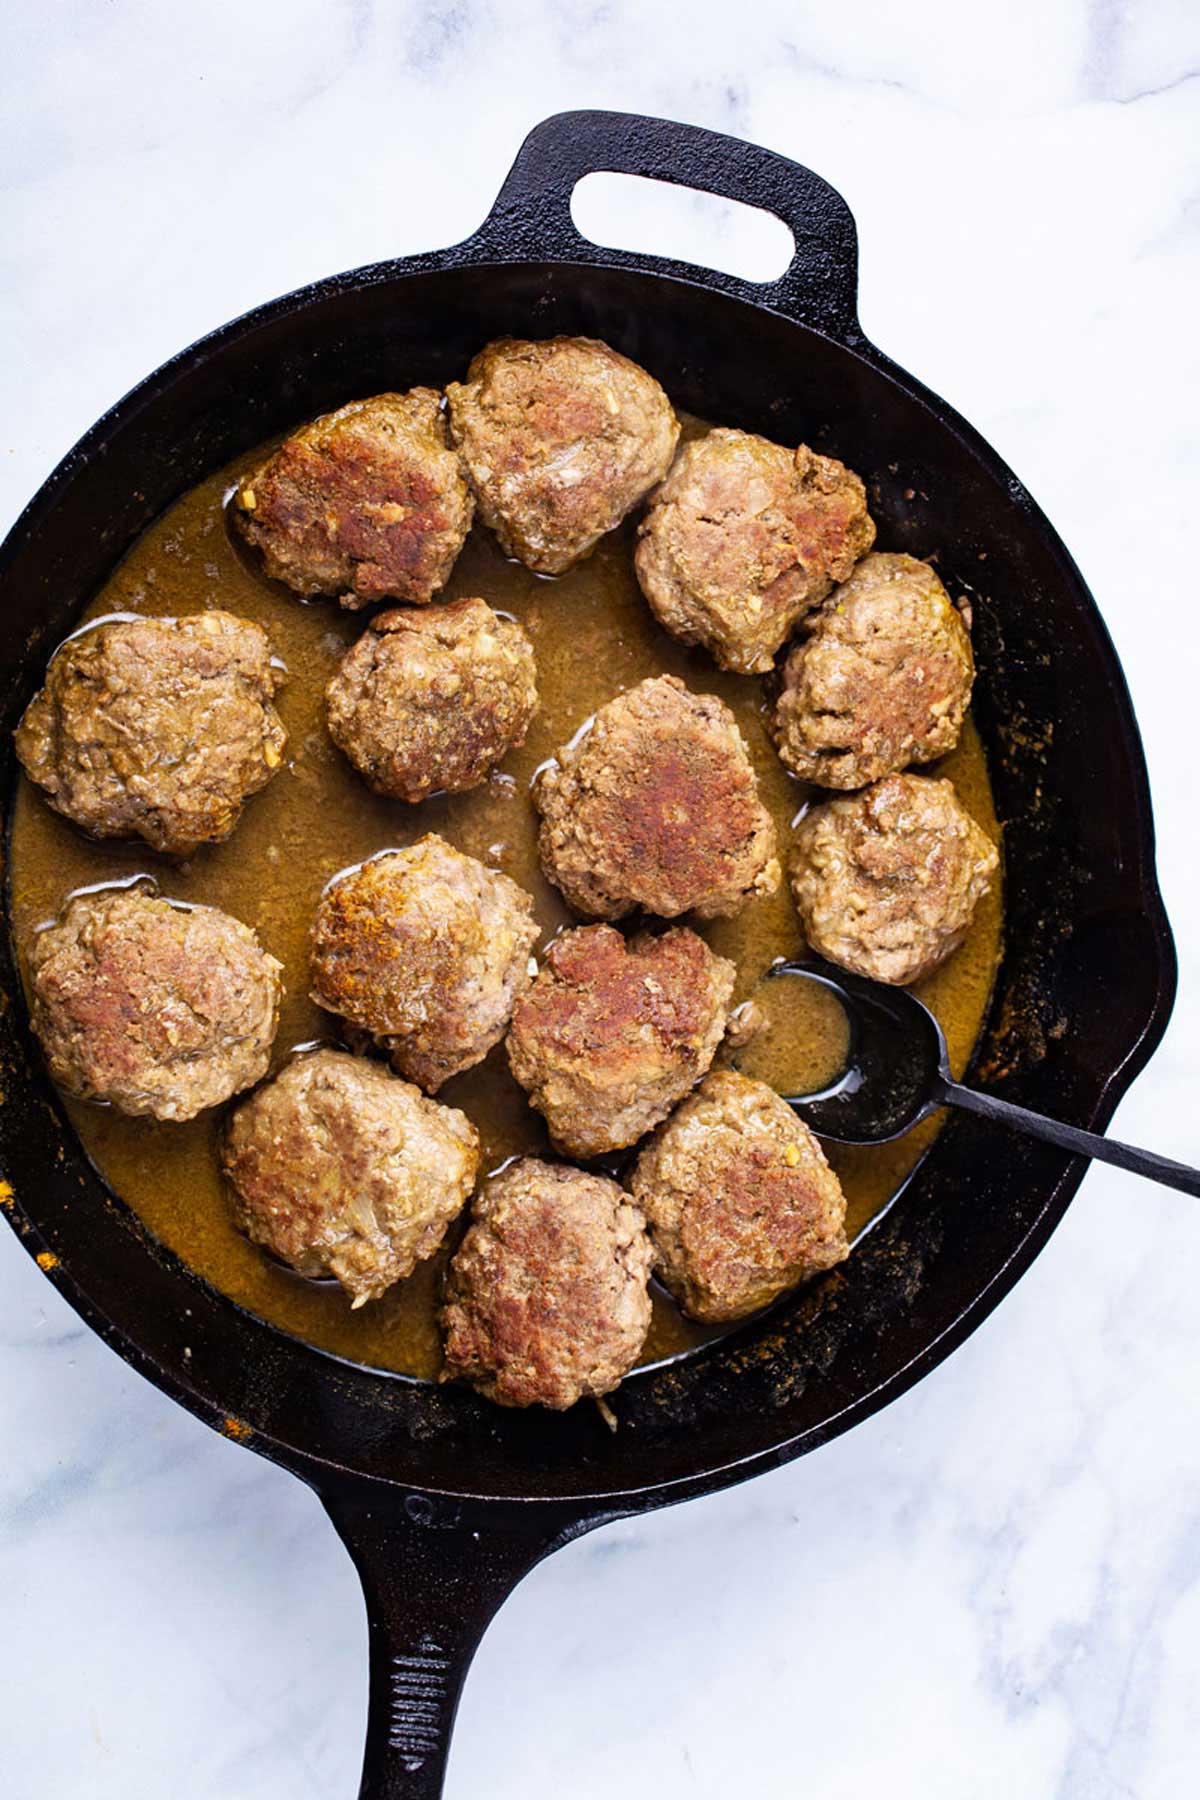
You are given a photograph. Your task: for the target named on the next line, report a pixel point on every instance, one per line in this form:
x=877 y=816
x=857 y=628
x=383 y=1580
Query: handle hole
x=634 y=212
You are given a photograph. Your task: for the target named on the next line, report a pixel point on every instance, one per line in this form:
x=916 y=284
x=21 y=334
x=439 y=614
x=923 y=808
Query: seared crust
x=880 y=678
x=886 y=882
x=561 y=438
x=547 y=1299
x=368 y=503
x=158 y=1008
x=742 y=538
x=428 y=951
x=612 y=1034
x=156 y=728
x=739 y=1198
x=432 y=699
x=655 y=805
x=340 y=1168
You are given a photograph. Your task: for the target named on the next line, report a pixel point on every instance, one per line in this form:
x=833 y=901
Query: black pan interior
x=1083 y=994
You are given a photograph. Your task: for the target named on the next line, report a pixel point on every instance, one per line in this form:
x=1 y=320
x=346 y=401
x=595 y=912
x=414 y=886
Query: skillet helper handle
x=1069 y=1137
x=532 y=214
x=432 y=1587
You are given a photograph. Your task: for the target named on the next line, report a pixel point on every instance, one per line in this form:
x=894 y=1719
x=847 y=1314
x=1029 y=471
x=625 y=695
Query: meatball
x=880 y=679
x=887 y=881
x=426 y=950
x=433 y=699
x=655 y=805
x=740 y=1201
x=340 y=1168
x=156 y=728
x=561 y=439
x=547 y=1299
x=612 y=1034
x=742 y=538
x=156 y=1007
x=367 y=503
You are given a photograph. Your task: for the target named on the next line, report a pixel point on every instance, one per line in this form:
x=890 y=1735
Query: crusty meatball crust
x=427 y=950
x=547 y=1299
x=655 y=805
x=340 y=1168
x=156 y=728
x=742 y=538
x=432 y=699
x=880 y=678
x=612 y=1034
x=886 y=882
x=155 y=1007
x=739 y=1198
x=368 y=503
x=561 y=438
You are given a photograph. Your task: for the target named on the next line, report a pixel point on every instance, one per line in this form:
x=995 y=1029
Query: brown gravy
x=593 y=635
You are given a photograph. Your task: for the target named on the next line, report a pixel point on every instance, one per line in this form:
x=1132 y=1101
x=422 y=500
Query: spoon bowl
x=896 y=1060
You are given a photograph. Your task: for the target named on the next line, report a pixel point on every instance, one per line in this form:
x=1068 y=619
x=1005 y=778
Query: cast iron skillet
x=443 y=1501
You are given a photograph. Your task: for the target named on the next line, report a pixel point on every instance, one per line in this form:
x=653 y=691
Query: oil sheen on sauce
x=593 y=636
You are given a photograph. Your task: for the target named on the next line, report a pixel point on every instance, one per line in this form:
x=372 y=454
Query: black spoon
x=898 y=1071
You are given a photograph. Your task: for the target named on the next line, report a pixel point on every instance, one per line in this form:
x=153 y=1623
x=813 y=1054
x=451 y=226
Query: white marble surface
x=992 y=1589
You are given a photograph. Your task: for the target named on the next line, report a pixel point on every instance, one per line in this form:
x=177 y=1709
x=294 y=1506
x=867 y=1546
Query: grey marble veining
x=991 y=1590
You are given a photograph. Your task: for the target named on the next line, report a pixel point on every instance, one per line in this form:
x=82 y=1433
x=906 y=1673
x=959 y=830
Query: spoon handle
x=1068 y=1137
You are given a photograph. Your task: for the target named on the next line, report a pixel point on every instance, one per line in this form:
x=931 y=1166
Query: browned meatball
x=427 y=950
x=547 y=1299
x=156 y=1007
x=742 y=538
x=887 y=881
x=881 y=677
x=740 y=1201
x=612 y=1034
x=368 y=503
x=342 y=1169
x=156 y=728
x=655 y=805
x=433 y=699
x=561 y=439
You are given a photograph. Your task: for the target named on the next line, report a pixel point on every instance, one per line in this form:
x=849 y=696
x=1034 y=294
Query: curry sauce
x=593 y=635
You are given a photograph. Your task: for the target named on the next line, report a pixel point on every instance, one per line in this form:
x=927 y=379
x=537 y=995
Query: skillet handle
x=531 y=219
x=432 y=1586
